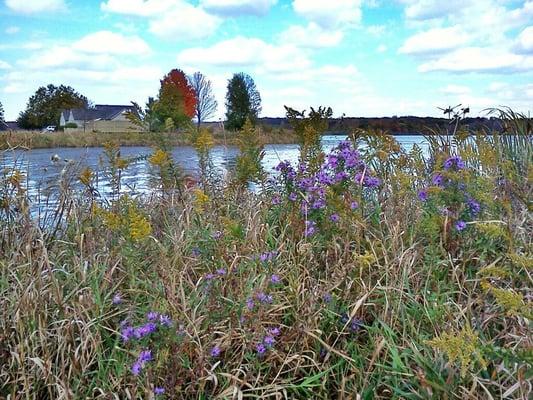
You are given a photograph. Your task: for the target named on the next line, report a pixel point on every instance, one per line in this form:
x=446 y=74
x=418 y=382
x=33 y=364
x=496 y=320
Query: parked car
x=50 y=128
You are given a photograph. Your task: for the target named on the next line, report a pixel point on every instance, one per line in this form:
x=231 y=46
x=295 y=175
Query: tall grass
x=388 y=301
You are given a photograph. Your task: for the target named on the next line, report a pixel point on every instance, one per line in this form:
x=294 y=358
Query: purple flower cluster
x=268 y=256
x=269 y=340
x=454 y=162
x=215 y=351
x=117 y=299
x=144 y=357
x=154 y=321
x=354 y=323
x=342 y=169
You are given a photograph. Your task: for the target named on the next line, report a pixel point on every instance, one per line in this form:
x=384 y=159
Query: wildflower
x=275 y=331
x=473 y=207
x=117 y=299
x=276 y=200
x=371 y=181
x=136 y=368
x=127 y=333
x=196 y=251
x=460 y=225
x=269 y=341
x=334 y=217
x=250 y=304
x=221 y=271
x=354 y=205
x=423 y=195
x=275 y=279
x=215 y=351
x=268 y=256
x=264 y=298
x=293 y=196
x=159 y=390
x=327 y=297
x=454 y=161
x=152 y=316
x=165 y=320
x=145 y=356
x=217 y=235
x=139 y=226
x=310 y=228
x=159 y=158
x=260 y=349
x=438 y=180
x=145 y=330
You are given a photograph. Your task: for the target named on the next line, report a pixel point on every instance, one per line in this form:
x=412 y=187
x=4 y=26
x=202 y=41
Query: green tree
x=248 y=166
x=242 y=101
x=146 y=119
x=45 y=106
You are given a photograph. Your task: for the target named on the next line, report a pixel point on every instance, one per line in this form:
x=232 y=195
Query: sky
x=360 y=57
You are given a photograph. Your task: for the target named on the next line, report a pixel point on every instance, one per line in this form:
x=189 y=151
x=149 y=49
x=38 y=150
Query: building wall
x=105 y=126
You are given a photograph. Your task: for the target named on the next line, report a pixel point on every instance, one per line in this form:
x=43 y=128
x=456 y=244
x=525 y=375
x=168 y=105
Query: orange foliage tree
x=177 y=98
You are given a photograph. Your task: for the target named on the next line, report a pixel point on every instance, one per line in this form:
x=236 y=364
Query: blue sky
x=361 y=57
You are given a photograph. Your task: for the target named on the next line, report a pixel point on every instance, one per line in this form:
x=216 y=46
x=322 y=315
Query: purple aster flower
x=260 y=349
x=354 y=205
x=438 y=180
x=217 y=235
x=293 y=196
x=275 y=279
x=145 y=356
x=355 y=324
x=474 y=207
x=221 y=271
x=340 y=176
x=423 y=195
x=165 y=320
x=275 y=331
x=276 y=200
x=371 y=181
x=127 y=333
x=196 y=251
x=269 y=341
x=264 y=257
x=318 y=204
x=215 y=351
x=460 y=225
x=310 y=228
x=117 y=299
x=250 y=304
x=334 y=217
x=145 y=330
x=264 y=298
x=136 y=368
x=209 y=277
x=159 y=390
x=152 y=316
x=327 y=297
x=454 y=161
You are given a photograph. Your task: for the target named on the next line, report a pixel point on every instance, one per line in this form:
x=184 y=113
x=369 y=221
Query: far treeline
x=407 y=125
x=181 y=99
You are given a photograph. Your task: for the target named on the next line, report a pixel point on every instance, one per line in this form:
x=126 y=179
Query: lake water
x=43 y=175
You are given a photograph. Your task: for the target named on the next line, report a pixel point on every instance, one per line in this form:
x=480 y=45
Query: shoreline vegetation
x=368 y=272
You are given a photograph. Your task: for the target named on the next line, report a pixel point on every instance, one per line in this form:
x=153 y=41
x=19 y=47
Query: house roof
x=99 y=111
x=9 y=126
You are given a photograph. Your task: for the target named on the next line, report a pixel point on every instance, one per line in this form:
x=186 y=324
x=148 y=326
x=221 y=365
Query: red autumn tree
x=177 y=98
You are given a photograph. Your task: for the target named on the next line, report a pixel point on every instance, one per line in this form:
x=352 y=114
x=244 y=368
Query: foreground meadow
x=358 y=274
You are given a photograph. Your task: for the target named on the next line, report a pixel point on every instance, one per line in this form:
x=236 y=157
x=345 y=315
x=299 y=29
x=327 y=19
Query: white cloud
x=185 y=22
x=455 y=89
x=246 y=52
x=311 y=36
x=330 y=13
x=430 y=9
x=66 y=57
x=11 y=30
x=35 y=6
x=479 y=59
x=381 y=48
x=169 y=19
x=524 y=41
x=141 y=8
x=107 y=42
x=238 y=7
x=4 y=65
x=434 y=41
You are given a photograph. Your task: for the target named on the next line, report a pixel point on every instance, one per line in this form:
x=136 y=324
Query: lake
x=43 y=175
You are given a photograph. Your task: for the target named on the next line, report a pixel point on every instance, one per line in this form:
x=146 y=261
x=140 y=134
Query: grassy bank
x=38 y=140
x=380 y=275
